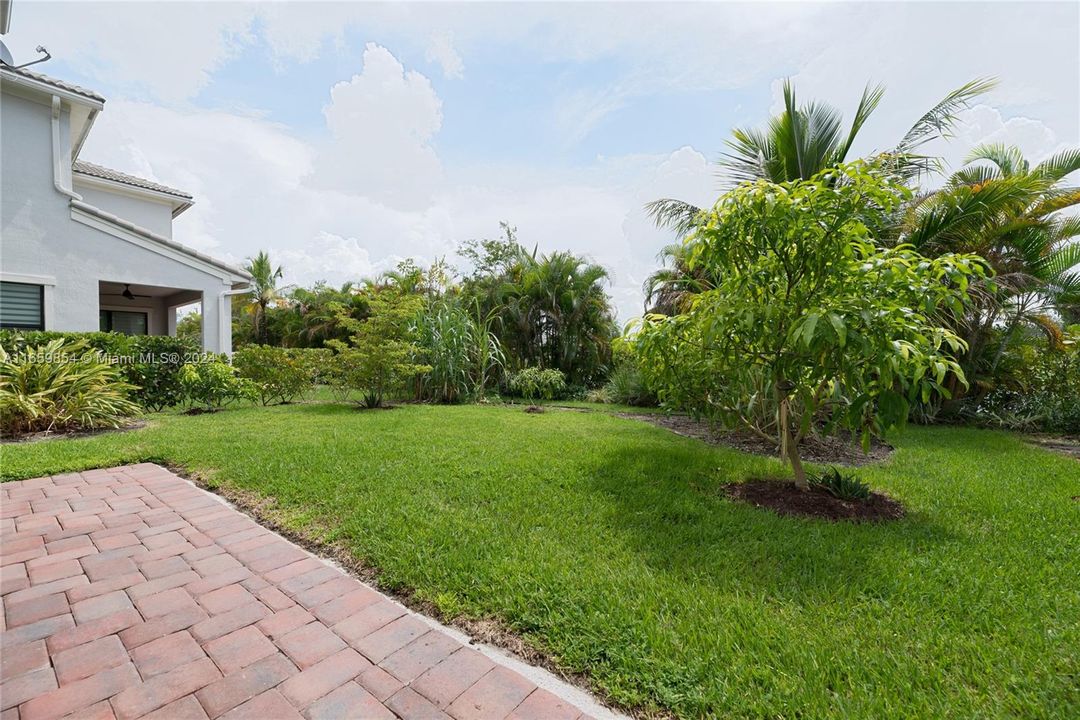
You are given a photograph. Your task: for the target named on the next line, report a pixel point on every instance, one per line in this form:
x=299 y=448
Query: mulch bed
x=830 y=450
x=68 y=434
x=1068 y=445
x=783 y=498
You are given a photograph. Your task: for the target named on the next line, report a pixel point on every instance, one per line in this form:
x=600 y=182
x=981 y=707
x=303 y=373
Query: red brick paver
x=130 y=593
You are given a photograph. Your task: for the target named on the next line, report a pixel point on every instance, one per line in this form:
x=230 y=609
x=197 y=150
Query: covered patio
x=135 y=309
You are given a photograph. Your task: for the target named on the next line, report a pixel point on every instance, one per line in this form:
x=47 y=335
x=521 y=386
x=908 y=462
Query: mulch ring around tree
x=829 y=450
x=783 y=498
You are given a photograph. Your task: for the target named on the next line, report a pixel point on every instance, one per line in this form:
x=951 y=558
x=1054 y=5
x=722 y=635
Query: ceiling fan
x=128 y=295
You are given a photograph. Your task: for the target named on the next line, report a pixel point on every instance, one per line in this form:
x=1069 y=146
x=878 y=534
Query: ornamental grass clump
x=61 y=386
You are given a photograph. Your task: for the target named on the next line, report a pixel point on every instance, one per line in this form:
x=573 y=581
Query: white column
x=225 y=323
x=211 y=332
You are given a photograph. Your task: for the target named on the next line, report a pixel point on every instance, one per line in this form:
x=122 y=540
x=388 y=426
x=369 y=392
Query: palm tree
x=264 y=290
x=315 y=313
x=554 y=312
x=677 y=280
x=999 y=207
x=802 y=141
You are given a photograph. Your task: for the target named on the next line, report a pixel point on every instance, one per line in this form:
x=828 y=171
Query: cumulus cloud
x=983 y=124
x=326 y=257
x=441 y=50
x=254 y=190
x=382 y=122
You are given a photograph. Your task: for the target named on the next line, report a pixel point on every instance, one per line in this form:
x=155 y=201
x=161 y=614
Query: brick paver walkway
x=131 y=593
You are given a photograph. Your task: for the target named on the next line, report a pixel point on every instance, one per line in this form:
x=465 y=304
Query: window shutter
x=21 y=306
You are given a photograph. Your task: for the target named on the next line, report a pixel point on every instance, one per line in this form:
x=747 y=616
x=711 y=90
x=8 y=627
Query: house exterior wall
x=155 y=216
x=40 y=241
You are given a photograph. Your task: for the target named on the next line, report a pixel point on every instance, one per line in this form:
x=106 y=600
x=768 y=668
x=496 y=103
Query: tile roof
x=69 y=87
x=86 y=168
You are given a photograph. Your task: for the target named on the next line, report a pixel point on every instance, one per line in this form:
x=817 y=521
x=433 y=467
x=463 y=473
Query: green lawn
x=607 y=543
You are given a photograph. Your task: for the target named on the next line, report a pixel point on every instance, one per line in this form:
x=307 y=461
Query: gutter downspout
x=58 y=167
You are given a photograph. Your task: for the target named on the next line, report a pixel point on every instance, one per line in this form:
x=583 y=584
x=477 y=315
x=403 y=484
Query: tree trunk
x=796 y=463
x=788 y=443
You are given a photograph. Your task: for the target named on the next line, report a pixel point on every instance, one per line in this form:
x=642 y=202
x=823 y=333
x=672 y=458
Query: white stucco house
x=83 y=247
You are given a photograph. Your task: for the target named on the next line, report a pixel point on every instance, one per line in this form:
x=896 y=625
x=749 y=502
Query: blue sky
x=501 y=112
x=343 y=136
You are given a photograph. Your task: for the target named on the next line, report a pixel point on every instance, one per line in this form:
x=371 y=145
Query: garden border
x=489 y=636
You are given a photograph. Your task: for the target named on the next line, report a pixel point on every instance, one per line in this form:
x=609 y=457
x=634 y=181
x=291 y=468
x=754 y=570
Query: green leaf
x=838 y=325
x=808 y=328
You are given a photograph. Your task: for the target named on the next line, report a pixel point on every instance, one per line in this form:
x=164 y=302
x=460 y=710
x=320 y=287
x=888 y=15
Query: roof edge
x=90 y=169
x=51 y=86
x=178 y=203
x=237 y=273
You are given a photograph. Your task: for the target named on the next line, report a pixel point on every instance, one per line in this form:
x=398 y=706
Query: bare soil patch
x=201 y=411
x=68 y=434
x=1064 y=444
x=829 y=450
x=783 y=498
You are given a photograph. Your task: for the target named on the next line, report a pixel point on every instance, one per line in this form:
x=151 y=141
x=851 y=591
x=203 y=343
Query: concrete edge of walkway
x=543 y=678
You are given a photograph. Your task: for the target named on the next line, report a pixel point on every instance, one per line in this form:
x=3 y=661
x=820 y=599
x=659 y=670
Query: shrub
x=279 y=374
x=336 y=376
x=61 y=385
x=626 y=383
x=214 y=383
x=845 y=487
x=1046 y=397
x=535 y=384
x=151 y=363
x=379 y=357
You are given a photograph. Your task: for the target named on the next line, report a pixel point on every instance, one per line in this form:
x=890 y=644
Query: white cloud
x=167 y=50
x=228 y=162
x=382 y=122
x=441 y=50
x=326 y=257
x=983 y=124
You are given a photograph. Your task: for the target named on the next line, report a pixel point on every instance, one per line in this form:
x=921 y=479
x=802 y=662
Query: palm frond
x=1007 y=158
x=974 y=175
x=750 y=153
x=939 y=120
x=1056 y=199
x=871 y=98
x=676 y=215
x=957 y=218
x=1061 y=164
x=1060 y=263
